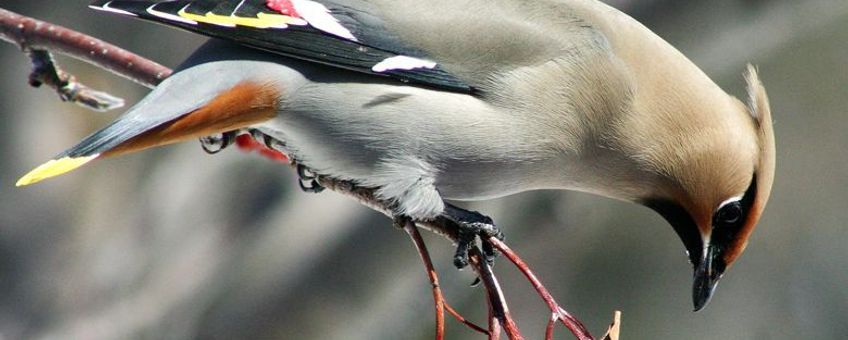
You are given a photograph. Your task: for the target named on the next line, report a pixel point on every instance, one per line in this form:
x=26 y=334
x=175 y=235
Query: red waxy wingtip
x=285 y=7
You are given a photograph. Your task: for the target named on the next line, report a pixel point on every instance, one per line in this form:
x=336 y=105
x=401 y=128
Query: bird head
x=717 y=178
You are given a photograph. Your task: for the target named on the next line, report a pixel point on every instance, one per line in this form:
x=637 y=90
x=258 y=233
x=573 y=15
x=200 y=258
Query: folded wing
x=345 y=34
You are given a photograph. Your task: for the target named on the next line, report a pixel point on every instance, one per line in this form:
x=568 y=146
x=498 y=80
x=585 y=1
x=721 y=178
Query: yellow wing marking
x=54 y=167
x=262 y=20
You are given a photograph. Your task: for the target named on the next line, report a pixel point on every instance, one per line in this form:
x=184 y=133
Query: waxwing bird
x=464 y=100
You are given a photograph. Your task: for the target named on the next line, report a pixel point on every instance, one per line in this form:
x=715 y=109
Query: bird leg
x=215 y=143
x=308 y=180
x=471 y=225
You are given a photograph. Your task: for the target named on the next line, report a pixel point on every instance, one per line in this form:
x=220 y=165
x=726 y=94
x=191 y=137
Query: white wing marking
x=402 y=62
x=106 y=8
x=169 y=16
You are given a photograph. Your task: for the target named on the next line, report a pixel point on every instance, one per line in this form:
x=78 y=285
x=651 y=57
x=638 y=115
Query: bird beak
x=707 y=273
x=706 y=258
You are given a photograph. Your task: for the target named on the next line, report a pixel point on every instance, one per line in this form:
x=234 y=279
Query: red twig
x=438 y=297
x=549 y=330
x=499 y=310
x=575 y=326
x=494 y=323
x=465 y=321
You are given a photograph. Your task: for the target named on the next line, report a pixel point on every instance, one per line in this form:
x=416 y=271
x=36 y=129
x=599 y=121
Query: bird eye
x=728 y=214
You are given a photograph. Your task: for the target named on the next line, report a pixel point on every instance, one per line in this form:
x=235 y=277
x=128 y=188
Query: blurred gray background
x=177 y=244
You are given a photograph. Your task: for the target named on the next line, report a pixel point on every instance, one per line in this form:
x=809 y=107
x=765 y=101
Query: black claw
x=472 y=225
x=214 y=144
x=256 y=134
x=272 y=143
x=303 y=173
x=269 y=141
x=460 y=258
x=313 y=187
x=308 y=181
x=465 y=240
x=489 y=252
x=259 y=136
x=399 y=221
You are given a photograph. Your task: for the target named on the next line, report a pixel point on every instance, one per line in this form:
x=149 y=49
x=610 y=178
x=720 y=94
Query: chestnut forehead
x=717 y=189
x=731 y=180
x=717 y=169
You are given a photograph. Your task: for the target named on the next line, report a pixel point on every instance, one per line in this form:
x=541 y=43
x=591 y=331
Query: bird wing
x=340 y=33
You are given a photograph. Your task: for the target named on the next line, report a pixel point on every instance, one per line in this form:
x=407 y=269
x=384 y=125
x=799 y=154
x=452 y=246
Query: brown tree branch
x=460 y=318
x=499 y=314
x=558 y=313
x=32 y=34
x=38 y=38
x=438 y=297
x=45 y=72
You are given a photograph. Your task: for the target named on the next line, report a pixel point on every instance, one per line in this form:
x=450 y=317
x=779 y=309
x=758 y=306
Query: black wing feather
x=373 y=44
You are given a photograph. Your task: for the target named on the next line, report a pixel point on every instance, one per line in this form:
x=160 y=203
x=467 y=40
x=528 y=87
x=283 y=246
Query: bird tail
x=166 y=116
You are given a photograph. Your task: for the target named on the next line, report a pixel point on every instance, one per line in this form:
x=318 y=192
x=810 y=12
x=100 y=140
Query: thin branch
x=440 y=302
x=45 y=72
x=32 y=34
x=549 y=330
x=573 y=324
x=438 y=297
x=499 y=310
x=366 y=196
x=462 y=319
x=494 y=323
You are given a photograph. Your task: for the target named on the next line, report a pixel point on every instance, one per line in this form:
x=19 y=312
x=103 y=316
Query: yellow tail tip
x=52 y=168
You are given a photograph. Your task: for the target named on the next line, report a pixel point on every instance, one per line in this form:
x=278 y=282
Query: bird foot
x=308 y=180
x=472 y=225
x=270 y=142
x=253 y=140
x=215 y=143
